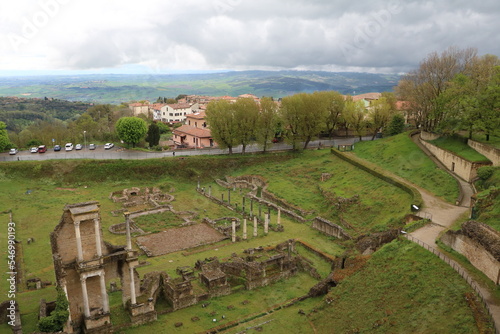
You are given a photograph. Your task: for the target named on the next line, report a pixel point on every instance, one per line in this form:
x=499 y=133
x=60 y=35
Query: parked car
x=13 y=151
x=78 y=147
x=108 y=146
x=68 y=147
x=34 y=150
x=42 y=149
x=92 y=146
x=57 y=147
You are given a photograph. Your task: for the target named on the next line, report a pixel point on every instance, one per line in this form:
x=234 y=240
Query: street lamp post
x=84 y=140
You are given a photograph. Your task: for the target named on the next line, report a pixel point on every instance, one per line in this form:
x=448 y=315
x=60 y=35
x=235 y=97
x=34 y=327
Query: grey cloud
x=277 y=34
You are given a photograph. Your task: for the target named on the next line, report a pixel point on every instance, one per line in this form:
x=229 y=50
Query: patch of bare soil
x=176 y=239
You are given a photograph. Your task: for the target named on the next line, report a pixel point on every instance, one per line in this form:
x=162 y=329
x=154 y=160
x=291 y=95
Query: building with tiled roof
x=175 y=113
x=194 y=133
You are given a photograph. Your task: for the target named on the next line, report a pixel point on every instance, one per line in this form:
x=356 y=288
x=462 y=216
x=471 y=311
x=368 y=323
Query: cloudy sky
x=158 y=36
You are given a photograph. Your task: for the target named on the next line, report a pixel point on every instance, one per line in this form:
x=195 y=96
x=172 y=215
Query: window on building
x=171 y=114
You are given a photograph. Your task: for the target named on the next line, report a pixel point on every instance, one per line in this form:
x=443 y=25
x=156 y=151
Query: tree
x=303 y=116
x=99 y=111
x=131 y=129
x=220 y=116
x=355 y=116
x=489 y=102
x=246 y=113
x=424 y=88
x=4 y=137
x=468 y=97
x=396 y=125
x=153 y=135
x=267 y=122
x=380 y=114
x=334 y=107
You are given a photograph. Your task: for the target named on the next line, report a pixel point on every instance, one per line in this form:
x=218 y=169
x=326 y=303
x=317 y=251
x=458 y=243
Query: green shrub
x=56 y=320
x=484 y=173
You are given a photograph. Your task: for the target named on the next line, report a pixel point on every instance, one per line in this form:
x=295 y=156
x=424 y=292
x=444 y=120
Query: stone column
x=85 y=296
x=279 y=217
x=233 y=228
x=229 y=196
x=198 y=186
x=78 y=241
x=127 y=223
x=251 y=207
x=260 y=211
x=243 y=204
x=97 y=237
x=245 y=229
x=104 y=294
x=210 y=190
x=132 y=286
x=254 y=226
x=266 y=223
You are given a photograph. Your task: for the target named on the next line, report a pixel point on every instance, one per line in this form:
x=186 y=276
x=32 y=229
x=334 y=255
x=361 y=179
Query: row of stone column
x=266 y=226
x=209 y=192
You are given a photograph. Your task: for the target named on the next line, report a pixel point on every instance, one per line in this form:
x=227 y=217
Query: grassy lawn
x=399 y=155
x=407 y=284
x=298 y=182
x=460 y=148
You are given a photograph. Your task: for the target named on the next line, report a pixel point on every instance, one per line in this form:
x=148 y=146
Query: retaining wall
x=490 y=152
x=464 y=168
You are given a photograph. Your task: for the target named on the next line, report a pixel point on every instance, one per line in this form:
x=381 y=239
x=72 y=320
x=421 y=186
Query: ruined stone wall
x=330 y=228
x=480 y=244
x=75 y=297
x=488 y=151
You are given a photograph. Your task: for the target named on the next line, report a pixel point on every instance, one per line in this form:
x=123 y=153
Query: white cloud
x=241 y=34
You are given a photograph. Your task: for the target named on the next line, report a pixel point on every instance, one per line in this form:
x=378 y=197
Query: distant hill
x=114 y=88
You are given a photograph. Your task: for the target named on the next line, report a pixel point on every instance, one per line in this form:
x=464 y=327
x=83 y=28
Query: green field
x=37 y=192
x=399 y=155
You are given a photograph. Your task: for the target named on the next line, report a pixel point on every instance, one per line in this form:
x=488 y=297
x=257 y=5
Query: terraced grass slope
x=399 y=155
x=409 y=290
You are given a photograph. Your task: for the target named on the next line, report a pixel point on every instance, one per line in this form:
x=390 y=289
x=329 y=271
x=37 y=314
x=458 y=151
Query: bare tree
x=423 y=88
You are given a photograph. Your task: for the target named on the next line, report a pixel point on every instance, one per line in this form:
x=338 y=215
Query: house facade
x=194 y=133
x=176 y=113
x=139 y=108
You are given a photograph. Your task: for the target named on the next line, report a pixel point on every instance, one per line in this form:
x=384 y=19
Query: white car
x=108 y=146
x=78 y=147
x=34 y=150
x=68 y=147
x=13 y=151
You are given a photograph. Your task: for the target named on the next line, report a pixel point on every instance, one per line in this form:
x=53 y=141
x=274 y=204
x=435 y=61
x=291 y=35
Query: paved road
x=122 y=153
